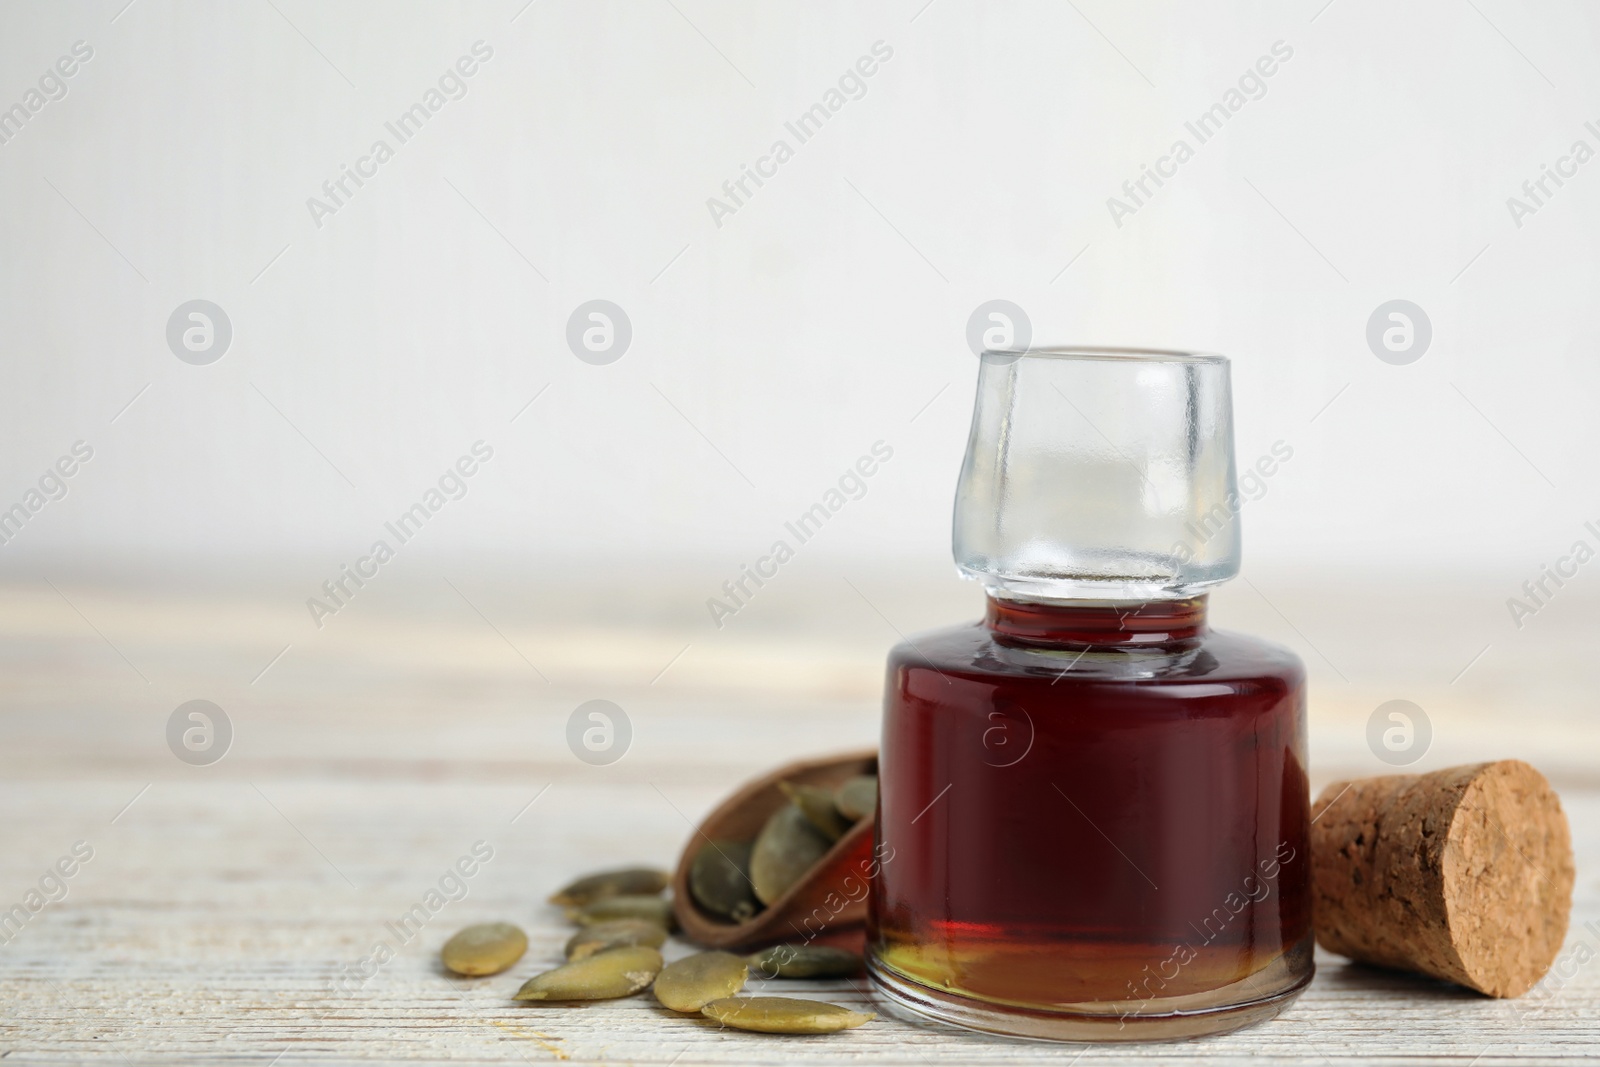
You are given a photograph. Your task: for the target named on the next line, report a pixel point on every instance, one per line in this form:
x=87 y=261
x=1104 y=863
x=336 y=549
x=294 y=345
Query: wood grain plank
x=223 y=903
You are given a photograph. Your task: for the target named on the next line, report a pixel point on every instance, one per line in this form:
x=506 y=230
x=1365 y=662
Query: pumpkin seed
x=618 y=972
x=719 y=880
x=804 y=961
x=615 y=933
x=858 y=797
x=817 y=806
x=487 y=948
x=784 y=1015
x=626 y=881
x=787 y=847
x=650 y=909
x=693 y=982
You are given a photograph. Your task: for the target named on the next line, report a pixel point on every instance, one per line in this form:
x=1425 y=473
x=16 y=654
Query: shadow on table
x=1341 y=975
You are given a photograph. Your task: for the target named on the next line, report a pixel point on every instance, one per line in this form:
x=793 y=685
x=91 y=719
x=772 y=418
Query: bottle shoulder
x=971 y=649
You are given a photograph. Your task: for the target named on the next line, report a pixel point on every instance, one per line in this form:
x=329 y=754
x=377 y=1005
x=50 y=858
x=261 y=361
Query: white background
x=768 y=353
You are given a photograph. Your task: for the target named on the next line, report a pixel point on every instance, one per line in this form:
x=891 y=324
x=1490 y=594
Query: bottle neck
x=1090 y=623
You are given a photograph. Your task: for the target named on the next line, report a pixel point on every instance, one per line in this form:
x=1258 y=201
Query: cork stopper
x=1464 y=874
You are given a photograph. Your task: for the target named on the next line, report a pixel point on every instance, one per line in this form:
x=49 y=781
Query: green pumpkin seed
x=786 y=849
x=487 y=948
x=817 y=806
x=784 y=1015
x=615 y=933
x=858 y=797
x=693 y=982
x=804 y=961
x=631 y=881
x=606 y=909
x=719 y=880
x=619 y=972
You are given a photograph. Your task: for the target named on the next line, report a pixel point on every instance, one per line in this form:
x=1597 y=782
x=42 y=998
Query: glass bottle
x=1094 y=811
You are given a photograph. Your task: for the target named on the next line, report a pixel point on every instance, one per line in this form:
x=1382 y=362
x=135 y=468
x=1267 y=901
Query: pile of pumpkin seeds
x=735 y=880
x=623 y=921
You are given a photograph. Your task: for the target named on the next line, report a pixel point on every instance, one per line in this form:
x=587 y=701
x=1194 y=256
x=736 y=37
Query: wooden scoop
x=828 y=906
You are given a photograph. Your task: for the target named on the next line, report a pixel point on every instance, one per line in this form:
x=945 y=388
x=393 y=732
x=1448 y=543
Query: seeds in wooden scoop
x=626 y=881
x=487 y=948
x=817 y=806
x=649 y=909
x=787 y=847
x=719 y=880
x=618 y=972
x=693 y=982
x=784 y=1015
x=615 y=933
x=804 y=961
x=858 y=797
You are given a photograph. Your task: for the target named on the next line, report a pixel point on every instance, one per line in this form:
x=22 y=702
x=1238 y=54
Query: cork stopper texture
x=1464 y=874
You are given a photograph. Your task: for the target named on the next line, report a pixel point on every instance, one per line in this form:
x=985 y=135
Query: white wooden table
x=223 y=902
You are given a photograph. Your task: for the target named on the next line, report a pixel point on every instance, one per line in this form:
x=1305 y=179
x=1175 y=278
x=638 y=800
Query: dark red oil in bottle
x=1093 y=809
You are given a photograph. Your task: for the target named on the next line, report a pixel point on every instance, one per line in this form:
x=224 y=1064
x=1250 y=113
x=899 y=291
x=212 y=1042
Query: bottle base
x=1255 y=999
